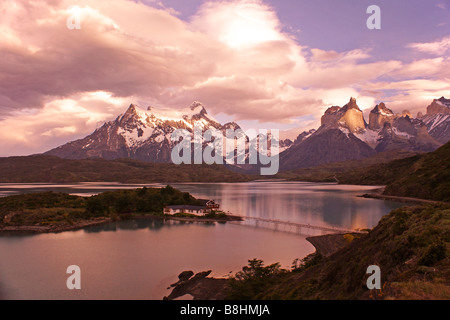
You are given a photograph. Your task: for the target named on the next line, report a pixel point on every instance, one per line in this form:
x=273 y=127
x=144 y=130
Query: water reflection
x=308 y=203
x=324 y=204
x=138 y=259
x=152 y=224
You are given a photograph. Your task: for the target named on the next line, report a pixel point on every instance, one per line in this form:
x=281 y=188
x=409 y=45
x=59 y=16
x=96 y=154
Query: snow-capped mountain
x=345 y=135
x=437 y=119
x=335 y=140
x=140 y=134
x=145 y=134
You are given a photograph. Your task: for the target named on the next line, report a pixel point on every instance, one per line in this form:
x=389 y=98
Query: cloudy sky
x=261 y=63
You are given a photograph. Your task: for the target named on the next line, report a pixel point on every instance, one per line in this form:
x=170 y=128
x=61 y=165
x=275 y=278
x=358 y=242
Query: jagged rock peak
x=444 y=101
x=352 y=104
x=130 y=113
x=439 y=106
x=349 y=117
x=196 y=105
x=131 y=108
x=379 y=116
x=382 y=109
x=332 y=110
x=407 y=113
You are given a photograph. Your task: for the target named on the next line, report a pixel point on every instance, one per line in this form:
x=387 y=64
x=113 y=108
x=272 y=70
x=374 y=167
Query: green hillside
x=352 y=171
x=427 y=178
x=410 y=245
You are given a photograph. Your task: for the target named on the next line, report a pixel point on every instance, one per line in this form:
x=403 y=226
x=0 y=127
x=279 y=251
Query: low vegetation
x=51 y=208
x=424 y=176
x=410 y=245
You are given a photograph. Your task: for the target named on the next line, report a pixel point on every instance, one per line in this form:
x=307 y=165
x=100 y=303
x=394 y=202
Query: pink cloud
x=233 y=56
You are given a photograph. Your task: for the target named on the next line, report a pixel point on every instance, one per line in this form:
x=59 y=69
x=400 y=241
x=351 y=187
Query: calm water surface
x=140 y=259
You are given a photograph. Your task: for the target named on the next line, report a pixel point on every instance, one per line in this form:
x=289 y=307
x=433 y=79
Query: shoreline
x=328 y=244
x=56 y=228
x=94 y=222
x=380 y=196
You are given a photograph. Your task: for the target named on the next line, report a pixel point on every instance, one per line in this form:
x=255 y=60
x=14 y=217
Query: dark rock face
x=438 y=125
x=325 y=147
x=439 y=106
x=406 y=134
x=185 y=275
x=379 y=116
x=200 y=287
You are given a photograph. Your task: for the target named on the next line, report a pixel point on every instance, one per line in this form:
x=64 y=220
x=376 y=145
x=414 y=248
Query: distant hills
x=422 y=175
x=51 y=169
x=344 y=134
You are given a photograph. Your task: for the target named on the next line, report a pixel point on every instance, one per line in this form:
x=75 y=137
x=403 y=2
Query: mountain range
x=344 y=134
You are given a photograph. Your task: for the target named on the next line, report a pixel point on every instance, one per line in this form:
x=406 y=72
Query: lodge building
x=208 y=207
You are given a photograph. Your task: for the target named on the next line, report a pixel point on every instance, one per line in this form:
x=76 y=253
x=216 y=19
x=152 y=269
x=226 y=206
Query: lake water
x=140 y=259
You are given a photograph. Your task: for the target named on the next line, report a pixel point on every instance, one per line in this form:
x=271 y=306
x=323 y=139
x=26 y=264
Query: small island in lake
x=57 y=212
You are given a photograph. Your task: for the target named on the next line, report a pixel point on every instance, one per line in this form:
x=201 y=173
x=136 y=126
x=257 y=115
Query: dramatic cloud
x=235 y=56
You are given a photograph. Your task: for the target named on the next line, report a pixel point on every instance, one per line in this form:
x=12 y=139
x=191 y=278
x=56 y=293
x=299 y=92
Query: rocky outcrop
x=200 y=287
x=349 y=117
x=379 y=116
x=406 y=134
x=439 y=106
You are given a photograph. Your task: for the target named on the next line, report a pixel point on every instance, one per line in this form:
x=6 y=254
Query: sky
x=68 y=66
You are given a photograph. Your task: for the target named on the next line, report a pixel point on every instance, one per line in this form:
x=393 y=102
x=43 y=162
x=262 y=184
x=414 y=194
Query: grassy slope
x=409 y=245
x=56 y=170
x=425 y=176
x=348 y=171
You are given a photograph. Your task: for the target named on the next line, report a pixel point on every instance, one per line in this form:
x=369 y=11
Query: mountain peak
x=348 y=117
x=132 y=108
x=196 y=105
x=439 y=106
x=130 y=113
x=383 y=110
x=352 y=104
x=379 y=116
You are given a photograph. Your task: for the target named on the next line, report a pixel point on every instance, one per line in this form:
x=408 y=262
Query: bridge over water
x=294 y=227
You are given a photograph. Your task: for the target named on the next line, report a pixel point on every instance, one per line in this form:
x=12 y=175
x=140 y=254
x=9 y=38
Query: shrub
x=349 y=238
x=307 y=262
x=435 y=252
x=253 y=280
